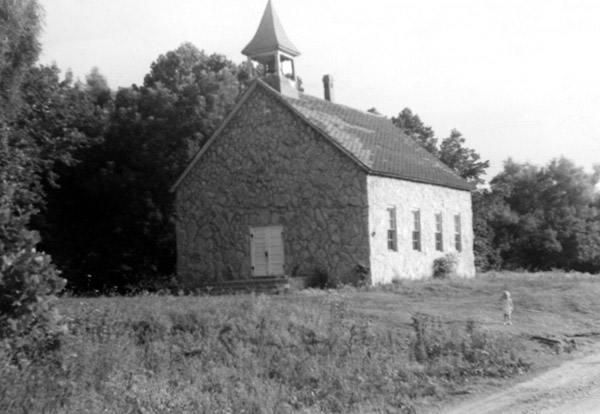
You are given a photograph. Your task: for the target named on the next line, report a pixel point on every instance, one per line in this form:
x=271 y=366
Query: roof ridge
x=365 y=112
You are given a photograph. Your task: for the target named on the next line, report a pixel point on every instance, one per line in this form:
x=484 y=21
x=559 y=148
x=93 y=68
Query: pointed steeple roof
x=270 y=36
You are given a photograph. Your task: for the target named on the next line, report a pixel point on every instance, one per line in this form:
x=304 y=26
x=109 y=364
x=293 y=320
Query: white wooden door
x=266 y=250
x=275 y=265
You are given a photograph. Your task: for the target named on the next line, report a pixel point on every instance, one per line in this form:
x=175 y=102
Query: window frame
x=457 y=233
x=439 y=232
x=416 y=232
x=392 y=230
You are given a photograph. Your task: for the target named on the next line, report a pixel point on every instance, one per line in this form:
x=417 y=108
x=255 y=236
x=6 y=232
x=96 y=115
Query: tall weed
x=244 y=354
x=457 y=353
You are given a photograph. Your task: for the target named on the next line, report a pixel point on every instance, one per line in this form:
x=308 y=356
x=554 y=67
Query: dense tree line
x=535 y=217
x=530 y=217
x=90 y=168
x=109 y=221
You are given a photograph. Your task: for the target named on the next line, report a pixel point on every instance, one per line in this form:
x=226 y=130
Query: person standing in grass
x=508 y=307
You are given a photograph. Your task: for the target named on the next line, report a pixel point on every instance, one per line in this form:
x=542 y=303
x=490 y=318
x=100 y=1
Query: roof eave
x=467 y=187
x=265 y=50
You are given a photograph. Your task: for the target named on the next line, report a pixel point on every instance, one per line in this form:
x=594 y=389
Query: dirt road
x=572 y=388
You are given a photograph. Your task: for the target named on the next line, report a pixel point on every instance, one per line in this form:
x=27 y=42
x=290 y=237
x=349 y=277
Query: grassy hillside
x=400 y=348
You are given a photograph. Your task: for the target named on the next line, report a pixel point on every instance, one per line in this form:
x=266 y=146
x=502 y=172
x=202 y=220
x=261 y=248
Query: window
x=439 y=232
x=416 y=234
x=457 y=233
x=392 y=233
x=287 y=67
x=266 y=251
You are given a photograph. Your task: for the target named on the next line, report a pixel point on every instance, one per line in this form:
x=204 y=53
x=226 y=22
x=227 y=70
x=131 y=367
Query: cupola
x=271 y=48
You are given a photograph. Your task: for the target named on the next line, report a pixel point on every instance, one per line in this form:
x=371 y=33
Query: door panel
x=259 y=251
x=276 y=258
x=267 y=251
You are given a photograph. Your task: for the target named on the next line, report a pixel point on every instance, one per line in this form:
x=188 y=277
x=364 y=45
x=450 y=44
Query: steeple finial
x=270 y=36
x=271 y=47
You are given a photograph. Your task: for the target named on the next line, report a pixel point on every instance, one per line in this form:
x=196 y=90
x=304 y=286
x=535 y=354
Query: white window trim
x=439 y=232
x=458 y=232
x=417 y=244
x=392 y=229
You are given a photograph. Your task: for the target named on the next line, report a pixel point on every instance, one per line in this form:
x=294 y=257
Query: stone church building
x=290 y=184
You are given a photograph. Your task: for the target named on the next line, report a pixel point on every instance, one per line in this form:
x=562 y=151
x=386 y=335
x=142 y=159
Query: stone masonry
x=269 y=167
x=406 y=196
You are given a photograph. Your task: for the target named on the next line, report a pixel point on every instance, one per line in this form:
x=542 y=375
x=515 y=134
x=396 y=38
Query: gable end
x=245 y=97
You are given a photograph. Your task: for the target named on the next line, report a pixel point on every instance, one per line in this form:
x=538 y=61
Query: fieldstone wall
x=268 y=167
x=407 y=196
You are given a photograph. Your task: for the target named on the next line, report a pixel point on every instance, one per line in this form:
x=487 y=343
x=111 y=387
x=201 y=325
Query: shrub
x=28 y=279
x=148 y=330
x=445 y=266
x=318 y=279
x=363 y=275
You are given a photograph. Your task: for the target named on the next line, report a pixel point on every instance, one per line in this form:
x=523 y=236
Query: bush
x=28 y=279
x=318 y=279
x=363 y=275
x=445 y=266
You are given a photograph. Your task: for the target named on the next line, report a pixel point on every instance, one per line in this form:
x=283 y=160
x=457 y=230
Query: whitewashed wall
x=429 y=199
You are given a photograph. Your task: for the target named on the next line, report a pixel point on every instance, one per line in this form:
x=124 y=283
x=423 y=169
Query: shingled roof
x=377 y=143
x=372 y=140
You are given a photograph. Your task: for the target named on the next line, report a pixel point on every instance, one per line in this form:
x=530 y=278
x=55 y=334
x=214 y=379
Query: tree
x=555 y=212
x=20 y=25
x=120 y=193
x=464 y=161
x=61 y=121
x=97 y=88
x=452 y=152
x=491 y=218
x=19 y=48
x=201 y=88
x=412 y=125
x=28 y=280
x=57 y=118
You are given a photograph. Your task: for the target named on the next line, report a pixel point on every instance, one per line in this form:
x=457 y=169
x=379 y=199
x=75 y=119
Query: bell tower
x=271 y=48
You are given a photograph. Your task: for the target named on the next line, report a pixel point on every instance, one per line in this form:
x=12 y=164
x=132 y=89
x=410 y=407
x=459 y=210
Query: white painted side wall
x=429 y=199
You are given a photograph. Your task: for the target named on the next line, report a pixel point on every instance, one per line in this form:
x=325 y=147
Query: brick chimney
x=328 y=87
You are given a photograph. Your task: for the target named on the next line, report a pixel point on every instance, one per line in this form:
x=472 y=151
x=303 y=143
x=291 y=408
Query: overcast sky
x=519 y=78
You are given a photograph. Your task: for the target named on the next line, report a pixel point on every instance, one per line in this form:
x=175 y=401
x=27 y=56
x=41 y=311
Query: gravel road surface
x=572 y=388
